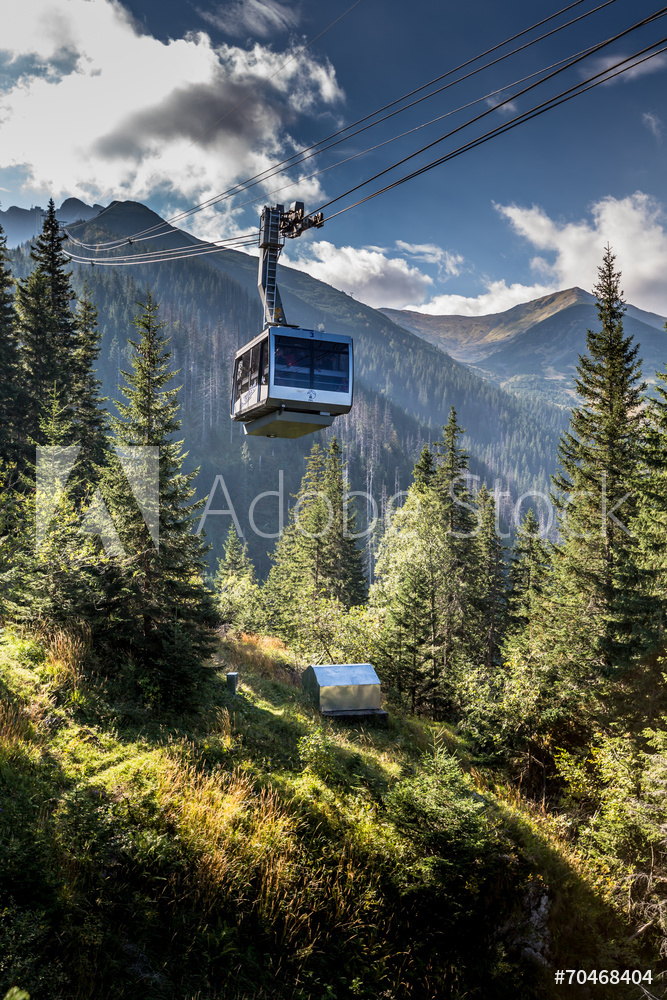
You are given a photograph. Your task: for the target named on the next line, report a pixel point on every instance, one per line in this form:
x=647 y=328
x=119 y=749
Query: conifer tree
x=599 y=465
x=424 y=471
x=528 y=572
x=650 y=524
x=460 y=524
x=342 y=561
x=412 y=659
x=11 y=395
x=490 y=590
x=89 y=419
x=47 y=323
x=235 y=563
x=313 y=516
x=56 y=564
x=236 y=590
x=451 y=484
x=165 y=615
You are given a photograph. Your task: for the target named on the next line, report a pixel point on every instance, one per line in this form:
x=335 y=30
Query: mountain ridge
x=533 y=348
x=22 y=224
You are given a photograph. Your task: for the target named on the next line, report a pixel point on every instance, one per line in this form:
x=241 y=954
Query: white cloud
x=94 y=108
x=449 y=264
x=498 y=297
x=636 y=229
x=259 y=18
x=634 y=70
x=506 y=107
x=368 y=274
x=654 y=124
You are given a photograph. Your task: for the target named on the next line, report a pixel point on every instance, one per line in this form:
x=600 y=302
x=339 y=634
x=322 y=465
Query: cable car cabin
x=289 y=382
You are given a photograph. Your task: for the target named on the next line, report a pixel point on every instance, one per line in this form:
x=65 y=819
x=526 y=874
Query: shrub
x=316 y=753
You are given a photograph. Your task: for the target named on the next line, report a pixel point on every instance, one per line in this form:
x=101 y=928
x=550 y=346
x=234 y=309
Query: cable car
x=288 y=382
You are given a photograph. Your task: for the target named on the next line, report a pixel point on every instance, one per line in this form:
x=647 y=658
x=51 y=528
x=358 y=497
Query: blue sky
x=170 y=102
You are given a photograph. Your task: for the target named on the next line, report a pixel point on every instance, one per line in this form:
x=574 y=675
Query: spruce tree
x=312 y=519
x=56 y=564
x=47 y=324
x=528 y=572
x=424 y=470
x=297 y=573
x=490 y=599
x=11 y=394
x=599 y=465
x=459 y=523
x=89 y=417
x=408 y=638
x=163 y=614
x=235 y=563
x=343 y=572
x=650 y=524
x=450 y=482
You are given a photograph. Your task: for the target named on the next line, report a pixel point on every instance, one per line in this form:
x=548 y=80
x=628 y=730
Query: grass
x=251 y=850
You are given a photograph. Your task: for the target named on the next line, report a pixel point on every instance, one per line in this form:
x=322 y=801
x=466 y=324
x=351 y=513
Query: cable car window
x=264 y=363
x=292 y=362
x=312 y=364
x=331 y=366
x=242 y=374
x=254 y=367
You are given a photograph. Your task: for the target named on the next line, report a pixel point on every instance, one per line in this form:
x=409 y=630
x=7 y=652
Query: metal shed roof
x=338 y=674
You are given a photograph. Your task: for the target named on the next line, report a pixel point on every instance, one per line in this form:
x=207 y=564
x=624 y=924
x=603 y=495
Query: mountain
x=21 y=224
x=404 y=387
x=533 y=348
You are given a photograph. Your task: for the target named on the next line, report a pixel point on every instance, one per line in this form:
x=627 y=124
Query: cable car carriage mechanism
x=288 y=381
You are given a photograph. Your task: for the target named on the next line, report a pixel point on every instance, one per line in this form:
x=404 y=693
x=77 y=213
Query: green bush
x=439 y=808
x=317 y=754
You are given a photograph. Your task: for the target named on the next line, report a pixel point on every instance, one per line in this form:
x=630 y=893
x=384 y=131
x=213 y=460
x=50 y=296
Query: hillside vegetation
x=249 y=850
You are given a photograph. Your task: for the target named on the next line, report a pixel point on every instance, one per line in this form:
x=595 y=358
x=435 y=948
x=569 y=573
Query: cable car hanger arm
x=275 y=226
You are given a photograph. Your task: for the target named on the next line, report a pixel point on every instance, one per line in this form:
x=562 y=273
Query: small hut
x=343 y=689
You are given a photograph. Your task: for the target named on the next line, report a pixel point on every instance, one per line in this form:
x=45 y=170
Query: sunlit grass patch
x=266 y=656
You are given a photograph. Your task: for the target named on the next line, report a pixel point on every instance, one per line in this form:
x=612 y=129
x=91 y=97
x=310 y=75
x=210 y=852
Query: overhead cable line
x=296 y=158
x=416 y=128
x=167 y=254
x=639 y=24
x=566 y=95
x=623 y=66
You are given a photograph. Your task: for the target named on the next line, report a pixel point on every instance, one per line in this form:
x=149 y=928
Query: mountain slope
x=533 y=348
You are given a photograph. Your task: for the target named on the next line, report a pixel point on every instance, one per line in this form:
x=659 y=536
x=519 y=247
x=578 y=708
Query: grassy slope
x=216 y=856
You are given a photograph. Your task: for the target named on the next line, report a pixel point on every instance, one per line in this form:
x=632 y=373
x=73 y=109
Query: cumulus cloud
x=636 y=229
x=449 y=264
x=498 y=297
x=259 y=18
x=367 y=273
x=654 y=124
x=117 y=113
